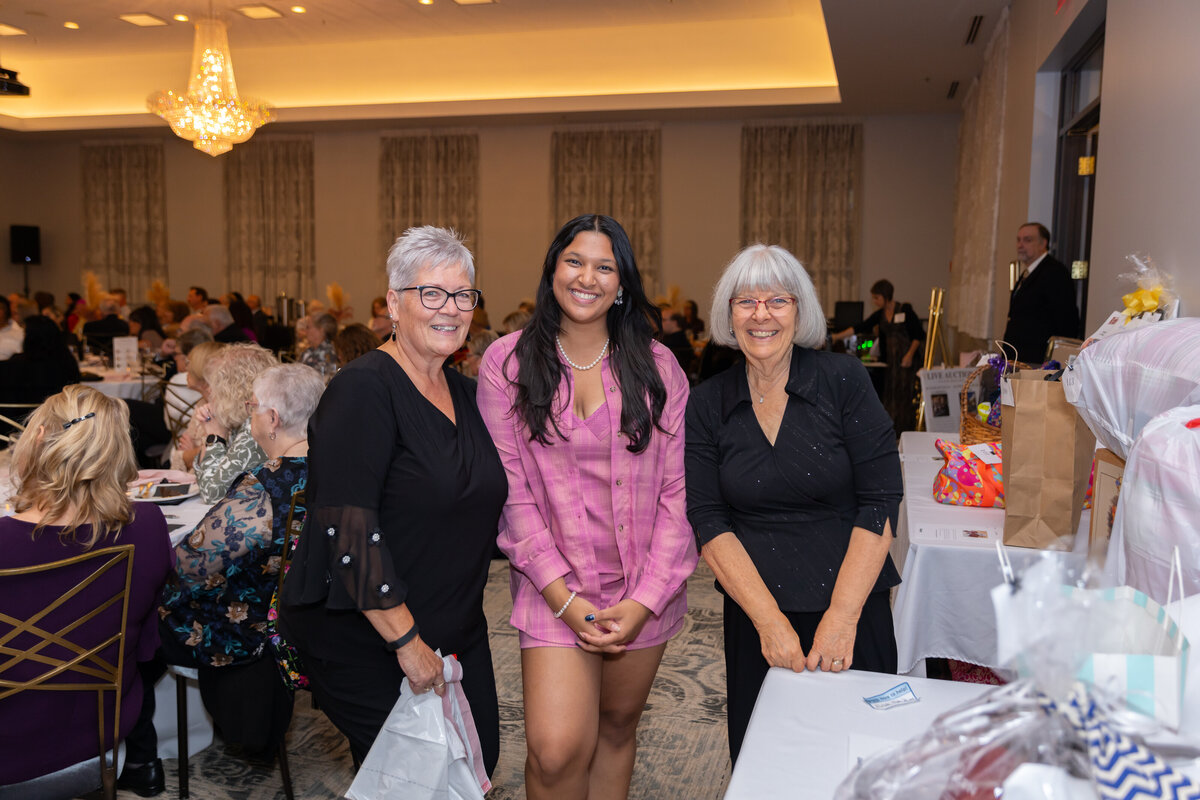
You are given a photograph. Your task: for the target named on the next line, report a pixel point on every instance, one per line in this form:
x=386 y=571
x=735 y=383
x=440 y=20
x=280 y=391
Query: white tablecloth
x=124 y=386
x=810 y=728
x=943 y=608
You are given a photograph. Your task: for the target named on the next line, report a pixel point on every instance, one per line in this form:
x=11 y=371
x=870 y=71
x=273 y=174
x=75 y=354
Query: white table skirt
x=943 y=608
x=810 y=728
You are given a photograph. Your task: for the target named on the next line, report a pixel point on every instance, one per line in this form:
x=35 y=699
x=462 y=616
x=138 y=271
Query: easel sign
x=939 y=396
x=125 y=353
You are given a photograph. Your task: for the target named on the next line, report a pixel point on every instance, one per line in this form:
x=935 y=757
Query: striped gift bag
x=1136 y=652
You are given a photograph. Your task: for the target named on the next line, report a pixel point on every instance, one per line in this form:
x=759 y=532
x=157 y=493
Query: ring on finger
x=439 y=685
x=837 y=662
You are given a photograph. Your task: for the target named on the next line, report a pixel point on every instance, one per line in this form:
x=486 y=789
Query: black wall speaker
x=26 y=244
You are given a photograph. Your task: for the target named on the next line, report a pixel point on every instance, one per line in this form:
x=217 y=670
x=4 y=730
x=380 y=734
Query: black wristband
x=396 y=644
x=212 y=438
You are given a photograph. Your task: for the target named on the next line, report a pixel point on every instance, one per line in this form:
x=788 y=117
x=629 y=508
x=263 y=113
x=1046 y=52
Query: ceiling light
x=10 y=30
x=298 y=9
x=474 y=2
x=180 y=17
x=142 y=20
x=71 y=25
x=259 y=12
x=426 y=2
x=210 y=113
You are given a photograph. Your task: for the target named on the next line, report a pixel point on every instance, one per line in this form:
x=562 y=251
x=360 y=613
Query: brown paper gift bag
x=1047 y=452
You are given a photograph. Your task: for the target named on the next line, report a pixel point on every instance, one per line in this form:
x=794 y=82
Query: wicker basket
x=970 y=429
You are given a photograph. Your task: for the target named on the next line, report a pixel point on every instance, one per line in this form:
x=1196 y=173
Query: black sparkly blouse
x=834 y=467
x=403 y=508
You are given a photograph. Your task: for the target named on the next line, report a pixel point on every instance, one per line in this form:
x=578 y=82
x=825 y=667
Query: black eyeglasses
x=435 y=297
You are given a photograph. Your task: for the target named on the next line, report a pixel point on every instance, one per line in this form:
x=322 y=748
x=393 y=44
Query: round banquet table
x=124 y=385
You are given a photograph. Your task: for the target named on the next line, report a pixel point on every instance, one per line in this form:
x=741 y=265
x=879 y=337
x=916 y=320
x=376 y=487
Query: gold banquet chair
x=69 y=654
x=11 y=424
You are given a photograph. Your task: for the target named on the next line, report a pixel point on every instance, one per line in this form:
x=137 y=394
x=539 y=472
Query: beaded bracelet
x=563 y=610
x=396 y=644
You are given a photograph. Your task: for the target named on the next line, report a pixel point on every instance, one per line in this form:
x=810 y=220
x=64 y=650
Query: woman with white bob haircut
x=404 y=502
x=793 y=486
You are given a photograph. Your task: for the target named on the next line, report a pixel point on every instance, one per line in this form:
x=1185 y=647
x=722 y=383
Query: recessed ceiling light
x=180 y=18
x=474 y=2
x=298 y=9
x=426 y=2
x=72 y=25
x=142 y=20
x=10 y=30
x=259 y=12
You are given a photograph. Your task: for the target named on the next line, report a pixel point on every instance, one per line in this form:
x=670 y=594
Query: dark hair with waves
x=631 y=325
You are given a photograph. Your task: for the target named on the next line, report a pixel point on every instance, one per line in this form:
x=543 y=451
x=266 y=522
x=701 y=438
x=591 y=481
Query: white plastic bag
x=428 y=748
x=1159 y=506
x=1120 y=383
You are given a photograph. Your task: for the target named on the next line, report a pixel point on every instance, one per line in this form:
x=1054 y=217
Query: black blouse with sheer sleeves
x=834 y=466
x=403 y=508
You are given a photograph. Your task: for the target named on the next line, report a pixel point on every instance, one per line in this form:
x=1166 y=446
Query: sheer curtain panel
x=802 y=190
x=977 y=194
x=613 y=171
x=429 y=179
x=124 y=218
x=269 y=217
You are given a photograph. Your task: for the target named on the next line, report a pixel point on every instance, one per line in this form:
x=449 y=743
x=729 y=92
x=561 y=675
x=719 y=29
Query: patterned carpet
x=682 y=751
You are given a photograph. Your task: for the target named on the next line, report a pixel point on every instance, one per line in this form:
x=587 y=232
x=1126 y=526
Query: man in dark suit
x=1042 y=303
x=98 y=334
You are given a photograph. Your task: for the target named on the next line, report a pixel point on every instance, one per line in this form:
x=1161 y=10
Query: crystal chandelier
x=210 y=113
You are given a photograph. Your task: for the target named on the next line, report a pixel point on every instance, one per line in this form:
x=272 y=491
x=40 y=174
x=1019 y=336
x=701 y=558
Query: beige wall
x=1146 y=195
x=908 y=192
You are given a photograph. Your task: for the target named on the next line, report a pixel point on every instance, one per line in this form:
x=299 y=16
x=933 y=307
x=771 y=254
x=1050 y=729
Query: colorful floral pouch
x=971 y=476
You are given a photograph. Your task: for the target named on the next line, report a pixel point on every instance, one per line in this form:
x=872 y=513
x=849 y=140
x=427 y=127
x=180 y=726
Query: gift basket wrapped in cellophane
x=1076 y=725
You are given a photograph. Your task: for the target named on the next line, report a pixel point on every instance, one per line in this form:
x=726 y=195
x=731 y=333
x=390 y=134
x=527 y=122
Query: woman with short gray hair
x=793 y=486
x=406 y=494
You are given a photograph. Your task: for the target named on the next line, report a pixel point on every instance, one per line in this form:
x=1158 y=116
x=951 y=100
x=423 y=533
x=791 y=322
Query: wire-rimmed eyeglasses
x=435 y=297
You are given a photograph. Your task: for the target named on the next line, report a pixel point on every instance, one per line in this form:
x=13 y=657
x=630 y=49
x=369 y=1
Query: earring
x=272 y=436
x=731 y=330
x=620 y=295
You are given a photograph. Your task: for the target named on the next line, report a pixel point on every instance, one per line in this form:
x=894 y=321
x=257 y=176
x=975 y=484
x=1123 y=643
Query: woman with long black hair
x=586 y=411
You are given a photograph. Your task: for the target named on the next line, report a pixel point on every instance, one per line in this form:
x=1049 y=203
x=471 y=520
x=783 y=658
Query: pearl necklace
x=580 y=367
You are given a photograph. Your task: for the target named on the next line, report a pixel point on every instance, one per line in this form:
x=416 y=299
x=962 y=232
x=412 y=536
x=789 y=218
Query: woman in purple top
x=70 y=467
x=587 y=413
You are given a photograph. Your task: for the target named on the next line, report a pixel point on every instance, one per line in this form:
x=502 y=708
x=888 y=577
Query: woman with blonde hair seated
x=70 y=469
x=229 y=448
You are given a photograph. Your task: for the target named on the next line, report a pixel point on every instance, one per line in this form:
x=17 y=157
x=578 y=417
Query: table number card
x=125 y=353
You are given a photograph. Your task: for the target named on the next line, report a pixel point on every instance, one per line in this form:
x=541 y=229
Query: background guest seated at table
x=355 y=340
x=215 y=606
x=71 y=467
x=320 y=354
x=220 y=321
x=98 y=334
x=144 y=324
x=793 y=486
x=674 y=337
x=188 y=445
x=229 y=448
x=11 y=333
x=691 y=318
x=899 y=330
x=43 y=368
